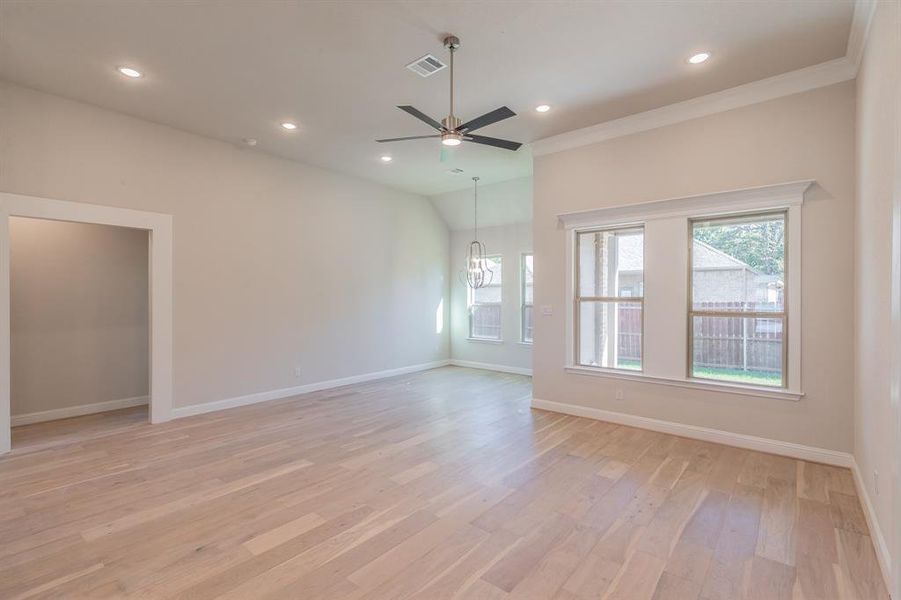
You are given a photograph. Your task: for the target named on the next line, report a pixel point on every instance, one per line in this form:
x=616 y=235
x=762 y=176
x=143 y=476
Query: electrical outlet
x=297 y=371
x=619 y=394
x=876 y=482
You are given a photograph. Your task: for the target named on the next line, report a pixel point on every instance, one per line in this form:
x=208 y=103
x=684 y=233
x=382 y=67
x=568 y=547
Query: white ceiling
x=231 y=70
x=499 y=204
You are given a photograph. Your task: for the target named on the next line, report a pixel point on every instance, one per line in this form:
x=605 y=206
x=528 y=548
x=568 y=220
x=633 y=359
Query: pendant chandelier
x=476 y=274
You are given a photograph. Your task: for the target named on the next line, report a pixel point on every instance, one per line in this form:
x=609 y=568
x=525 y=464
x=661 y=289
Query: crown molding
x=860 y=29
x=786 y=84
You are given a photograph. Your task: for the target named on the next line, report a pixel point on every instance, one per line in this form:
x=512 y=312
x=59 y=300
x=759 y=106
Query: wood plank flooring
x=438 y=485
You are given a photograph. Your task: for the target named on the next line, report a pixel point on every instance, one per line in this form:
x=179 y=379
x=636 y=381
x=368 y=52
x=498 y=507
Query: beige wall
x=78 y=314
x=878 y=128
x=509 y=241
x=805 y=136
x=277 y=265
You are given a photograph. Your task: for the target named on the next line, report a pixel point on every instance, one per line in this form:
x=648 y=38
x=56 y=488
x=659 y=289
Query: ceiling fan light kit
x=452 y=130
x=451 y=139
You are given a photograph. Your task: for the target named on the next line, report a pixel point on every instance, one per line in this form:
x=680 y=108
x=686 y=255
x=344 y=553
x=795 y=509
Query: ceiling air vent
x=425 y=66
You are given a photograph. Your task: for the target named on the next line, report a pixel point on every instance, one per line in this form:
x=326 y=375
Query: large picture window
x=609 y=296
x=737 y=316
x=485 y=304
x=526 y=310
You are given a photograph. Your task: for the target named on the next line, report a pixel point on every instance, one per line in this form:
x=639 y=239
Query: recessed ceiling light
x=387 y=158
x=698 y=58
x=289 y=125
x=542 y=108
x=129 y=72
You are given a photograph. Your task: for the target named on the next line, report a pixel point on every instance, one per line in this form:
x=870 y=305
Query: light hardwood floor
x=443 y=484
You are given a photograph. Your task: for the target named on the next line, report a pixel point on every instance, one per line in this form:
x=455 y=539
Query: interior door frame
x=159 y=228
x=895 y=399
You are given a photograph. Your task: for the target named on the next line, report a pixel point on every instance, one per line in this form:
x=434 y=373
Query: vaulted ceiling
x=234 y=70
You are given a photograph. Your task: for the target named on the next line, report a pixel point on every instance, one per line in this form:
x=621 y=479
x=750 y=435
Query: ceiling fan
x=452 y=130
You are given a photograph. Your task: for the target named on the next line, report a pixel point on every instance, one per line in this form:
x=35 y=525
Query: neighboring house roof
x=704 y=256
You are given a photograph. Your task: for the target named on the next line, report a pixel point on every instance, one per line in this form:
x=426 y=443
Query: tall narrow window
x=609 y=298
x=526 y=278
x=485 y=304
x=737 y=310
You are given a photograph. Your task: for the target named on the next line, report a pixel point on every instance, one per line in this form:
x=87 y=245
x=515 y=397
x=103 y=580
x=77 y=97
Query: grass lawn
x=632 y=364
x=739 y=376
x=718 y=373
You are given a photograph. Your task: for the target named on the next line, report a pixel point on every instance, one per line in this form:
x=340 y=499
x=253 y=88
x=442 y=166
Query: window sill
x=692 y=384
x=484 y=340
x=529 y=344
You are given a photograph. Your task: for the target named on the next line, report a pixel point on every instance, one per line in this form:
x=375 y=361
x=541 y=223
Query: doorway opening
x=157 y=232
x=79 y=329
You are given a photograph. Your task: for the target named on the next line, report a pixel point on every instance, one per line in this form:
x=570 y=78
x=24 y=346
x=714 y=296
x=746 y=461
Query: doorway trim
x=159 y=228
x=895 y=552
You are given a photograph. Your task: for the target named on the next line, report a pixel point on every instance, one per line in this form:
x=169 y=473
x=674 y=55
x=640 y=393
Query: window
x=526 y=279
x=737 y=306
x=609 y=290
x=485 y=304
x=731 y=326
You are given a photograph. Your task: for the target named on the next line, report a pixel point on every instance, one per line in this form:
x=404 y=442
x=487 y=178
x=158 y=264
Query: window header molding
x=781 y=195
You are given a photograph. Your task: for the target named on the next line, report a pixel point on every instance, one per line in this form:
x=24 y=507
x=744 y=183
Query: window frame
x=522 y=298
x=578 y=299
x=471 y=302
x=666 y=254
x=783 y=315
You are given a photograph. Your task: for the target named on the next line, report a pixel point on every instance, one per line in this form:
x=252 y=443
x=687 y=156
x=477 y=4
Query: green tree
x=759 y=244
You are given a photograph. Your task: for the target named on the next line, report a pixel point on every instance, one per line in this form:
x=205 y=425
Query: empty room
x=383 y=299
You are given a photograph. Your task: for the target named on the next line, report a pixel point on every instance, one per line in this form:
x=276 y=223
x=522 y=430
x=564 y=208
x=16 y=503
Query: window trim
x=692 y=313
x=522 y=297
x=578 y=298
x=782 y=196
x=471 y=303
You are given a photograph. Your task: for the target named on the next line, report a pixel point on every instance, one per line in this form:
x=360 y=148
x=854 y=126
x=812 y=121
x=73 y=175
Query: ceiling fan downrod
x=451 y=137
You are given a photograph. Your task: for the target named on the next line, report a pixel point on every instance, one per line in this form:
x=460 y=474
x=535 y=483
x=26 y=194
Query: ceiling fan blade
x=498 y=114
x=490 y=141
x=413 y=137
x=421 y=116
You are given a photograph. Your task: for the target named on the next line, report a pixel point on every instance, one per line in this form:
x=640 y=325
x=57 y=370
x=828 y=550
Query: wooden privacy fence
x=743 y=343
x=629 y=332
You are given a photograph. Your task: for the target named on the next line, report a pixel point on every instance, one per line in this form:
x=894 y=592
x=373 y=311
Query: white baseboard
x=740 y=440
x=491 y=367
x=883 y=554
x=77 y=411
x=199 y=409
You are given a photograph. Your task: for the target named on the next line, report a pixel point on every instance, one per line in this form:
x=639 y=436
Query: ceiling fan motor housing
x=451 y=123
